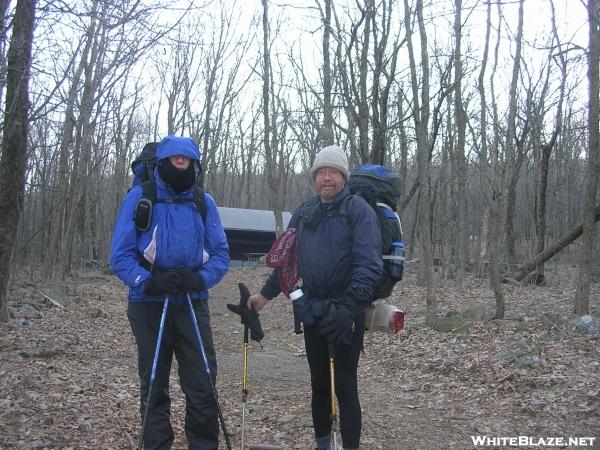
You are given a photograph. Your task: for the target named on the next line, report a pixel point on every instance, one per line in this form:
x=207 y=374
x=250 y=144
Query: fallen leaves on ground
x=68 y=376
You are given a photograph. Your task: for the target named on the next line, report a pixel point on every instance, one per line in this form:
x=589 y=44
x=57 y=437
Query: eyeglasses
x=328 y=172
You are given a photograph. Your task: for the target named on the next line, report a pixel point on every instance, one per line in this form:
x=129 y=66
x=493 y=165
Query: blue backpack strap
x=391 y=214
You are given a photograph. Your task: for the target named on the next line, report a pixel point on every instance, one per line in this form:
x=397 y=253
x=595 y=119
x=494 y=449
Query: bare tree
x=327 y=130
x=546 y=149
x=3 y=36
x=582 y=296
x=15 y=134
x=66 y=140
x=513 y=155
x=84 y=129
x=489 y=163
x=270 y=124
x=367 y=62
x=461 y=165
x=421 y=121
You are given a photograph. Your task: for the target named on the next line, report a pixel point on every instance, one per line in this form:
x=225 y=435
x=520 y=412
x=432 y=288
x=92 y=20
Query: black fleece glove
x=249 y=317
x=338 y=325
x=357 y=298
x=190 y=281
x=162 y=283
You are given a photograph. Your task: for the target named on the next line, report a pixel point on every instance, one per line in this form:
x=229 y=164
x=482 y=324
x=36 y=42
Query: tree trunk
x=3 y=67
x=403 y=157
x=421 y=119
x=60 y=204
x=14 y=140
x=82 y=155
x=461 y=165
x=483 y=153
x=511 y=134
x=542 y=201
x=327 y=130
x=494 y=193
x=582 y=297
x=363 y=100
x=270 y=131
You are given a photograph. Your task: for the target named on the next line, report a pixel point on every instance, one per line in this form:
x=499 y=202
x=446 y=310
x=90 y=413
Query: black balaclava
x=179 y=179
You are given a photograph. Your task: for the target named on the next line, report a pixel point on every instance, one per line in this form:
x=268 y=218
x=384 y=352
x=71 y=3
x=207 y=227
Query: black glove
x=357 y=298
x=162 y=283
x=338 y=325
x=249 y=317
x=190 y=281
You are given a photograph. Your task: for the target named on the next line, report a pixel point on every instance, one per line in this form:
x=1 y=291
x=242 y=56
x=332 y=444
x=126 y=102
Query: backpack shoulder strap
x=200 y=201
x=149 y=190
x=390 y=213
x=344 y=208
x=142 y=216
x=310 y=203
x=344 y=211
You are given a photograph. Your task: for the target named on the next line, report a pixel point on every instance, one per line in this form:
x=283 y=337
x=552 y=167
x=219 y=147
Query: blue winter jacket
x=176 y=238
x=341 y=252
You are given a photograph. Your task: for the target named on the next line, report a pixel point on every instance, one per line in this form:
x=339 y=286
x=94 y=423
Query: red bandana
x=283 y=257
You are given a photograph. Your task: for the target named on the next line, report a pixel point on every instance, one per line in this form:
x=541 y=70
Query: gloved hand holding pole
x=249 y=317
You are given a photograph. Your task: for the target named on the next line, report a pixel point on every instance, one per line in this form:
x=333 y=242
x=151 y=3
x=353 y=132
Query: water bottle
x=395 y=261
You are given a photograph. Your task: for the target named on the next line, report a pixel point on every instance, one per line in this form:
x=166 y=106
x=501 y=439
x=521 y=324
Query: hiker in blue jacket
x=179 y=253
x=339 y=262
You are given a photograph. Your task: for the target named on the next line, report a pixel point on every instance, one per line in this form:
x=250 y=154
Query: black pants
x=346 y=390
x=201 y=419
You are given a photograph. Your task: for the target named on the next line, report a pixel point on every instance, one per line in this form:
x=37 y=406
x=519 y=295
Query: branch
x=51 y=300
x=529 y=266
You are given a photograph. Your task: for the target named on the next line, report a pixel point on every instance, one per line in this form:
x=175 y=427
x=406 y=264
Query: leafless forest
x=487 y=108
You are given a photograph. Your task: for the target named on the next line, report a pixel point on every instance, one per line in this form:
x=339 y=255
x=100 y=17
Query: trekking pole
x=334 y=418
x=207 y=368
x=244 y=383
x=153 y=372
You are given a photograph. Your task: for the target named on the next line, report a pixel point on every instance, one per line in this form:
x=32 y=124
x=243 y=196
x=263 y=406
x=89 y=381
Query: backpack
x=380 y=188
x=143 y=175
x=143 y=165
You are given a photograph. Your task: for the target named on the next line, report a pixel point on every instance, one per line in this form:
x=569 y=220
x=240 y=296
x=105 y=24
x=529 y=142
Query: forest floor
x=68 y=375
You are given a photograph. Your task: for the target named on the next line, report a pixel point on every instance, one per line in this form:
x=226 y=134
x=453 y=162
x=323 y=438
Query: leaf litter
x=68 y=376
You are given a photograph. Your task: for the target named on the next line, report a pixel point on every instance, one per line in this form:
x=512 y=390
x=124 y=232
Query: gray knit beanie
x=332 y=156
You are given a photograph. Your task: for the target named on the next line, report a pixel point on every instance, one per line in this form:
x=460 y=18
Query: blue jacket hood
x=175 y=145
